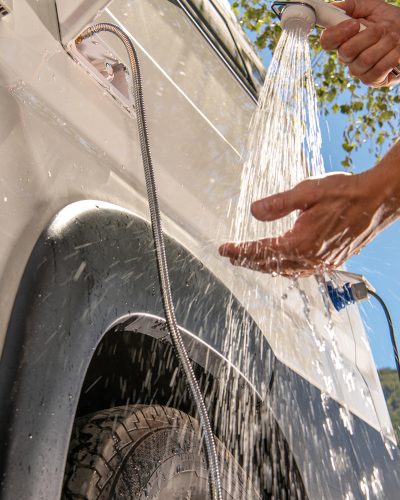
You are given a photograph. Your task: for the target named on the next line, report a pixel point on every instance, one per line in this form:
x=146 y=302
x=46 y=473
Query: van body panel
x=68 y=139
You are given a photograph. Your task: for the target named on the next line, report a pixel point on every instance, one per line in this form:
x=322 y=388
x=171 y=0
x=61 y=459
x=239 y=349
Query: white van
x=90 y=392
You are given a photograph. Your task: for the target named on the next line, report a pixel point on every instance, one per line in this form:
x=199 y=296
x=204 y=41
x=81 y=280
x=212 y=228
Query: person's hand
x=370 y=54
x=339 y=215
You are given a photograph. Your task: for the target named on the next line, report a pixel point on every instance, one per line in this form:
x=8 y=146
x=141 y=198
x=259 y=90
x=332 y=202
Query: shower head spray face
x=299 y=16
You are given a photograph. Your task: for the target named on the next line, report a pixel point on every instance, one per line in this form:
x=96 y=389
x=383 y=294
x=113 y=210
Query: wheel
x=145 y=452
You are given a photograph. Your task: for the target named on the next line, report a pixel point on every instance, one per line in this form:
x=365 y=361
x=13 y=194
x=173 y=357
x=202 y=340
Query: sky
x=379 y=261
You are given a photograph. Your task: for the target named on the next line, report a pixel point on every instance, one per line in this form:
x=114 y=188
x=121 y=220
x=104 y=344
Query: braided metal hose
x=155 y=217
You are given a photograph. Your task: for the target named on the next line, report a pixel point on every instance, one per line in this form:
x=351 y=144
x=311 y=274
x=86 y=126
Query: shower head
x=297 y=15
x=306 y=14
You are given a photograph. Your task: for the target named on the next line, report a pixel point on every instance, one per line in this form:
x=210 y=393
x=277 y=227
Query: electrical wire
x=159 y=245
x=391 y=329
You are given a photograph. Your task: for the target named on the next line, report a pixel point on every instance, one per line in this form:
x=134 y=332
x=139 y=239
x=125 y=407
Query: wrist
x=384 y=185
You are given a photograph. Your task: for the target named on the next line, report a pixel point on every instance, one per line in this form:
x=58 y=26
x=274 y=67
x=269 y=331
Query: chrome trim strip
x=217 y=50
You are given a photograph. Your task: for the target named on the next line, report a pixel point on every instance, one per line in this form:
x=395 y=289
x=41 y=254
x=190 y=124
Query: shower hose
x=155 y=217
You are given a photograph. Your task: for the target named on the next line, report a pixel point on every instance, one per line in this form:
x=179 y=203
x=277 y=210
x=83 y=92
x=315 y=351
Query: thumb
x=347 y=6
x=358 y=8
x=281 y=204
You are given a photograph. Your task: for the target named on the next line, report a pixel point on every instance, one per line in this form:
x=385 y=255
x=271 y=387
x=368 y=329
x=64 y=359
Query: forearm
x=384 y=179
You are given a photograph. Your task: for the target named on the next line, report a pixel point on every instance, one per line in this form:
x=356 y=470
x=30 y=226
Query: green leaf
x=348 y=147
x=357 y=106
x=346 y=162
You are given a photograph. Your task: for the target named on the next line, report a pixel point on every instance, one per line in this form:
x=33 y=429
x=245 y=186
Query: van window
x=215 y=22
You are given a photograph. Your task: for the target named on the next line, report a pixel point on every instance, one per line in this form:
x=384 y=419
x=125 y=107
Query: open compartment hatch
x=99 y=61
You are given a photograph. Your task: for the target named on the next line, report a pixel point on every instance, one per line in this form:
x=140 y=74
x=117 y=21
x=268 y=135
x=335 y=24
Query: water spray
x=307 y=14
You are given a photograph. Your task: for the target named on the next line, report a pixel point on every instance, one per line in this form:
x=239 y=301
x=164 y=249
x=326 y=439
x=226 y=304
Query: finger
x=332 y=38
x=347 y=6
x=379 y=74
x=372 y=55
x=364 y=48
x=279 y=267
x=281 y=204
x=358 y=8
x=250 y=250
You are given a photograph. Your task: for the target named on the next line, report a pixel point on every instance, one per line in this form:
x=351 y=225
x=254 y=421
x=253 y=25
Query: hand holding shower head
x=306 y=14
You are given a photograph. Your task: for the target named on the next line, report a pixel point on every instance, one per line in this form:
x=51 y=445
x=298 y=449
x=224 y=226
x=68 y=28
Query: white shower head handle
x=326 y=15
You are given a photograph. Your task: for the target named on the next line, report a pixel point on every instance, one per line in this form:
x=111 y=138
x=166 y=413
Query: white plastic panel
x=73 y=15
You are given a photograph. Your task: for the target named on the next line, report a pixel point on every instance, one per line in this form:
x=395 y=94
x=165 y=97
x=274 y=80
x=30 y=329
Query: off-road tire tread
x=93 y=462
x=85 y=460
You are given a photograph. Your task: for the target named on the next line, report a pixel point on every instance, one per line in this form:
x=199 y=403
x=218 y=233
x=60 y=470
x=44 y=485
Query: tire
x=145 y=452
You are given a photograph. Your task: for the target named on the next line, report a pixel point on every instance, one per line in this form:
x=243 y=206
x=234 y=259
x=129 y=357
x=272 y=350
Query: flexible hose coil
x=155 y=217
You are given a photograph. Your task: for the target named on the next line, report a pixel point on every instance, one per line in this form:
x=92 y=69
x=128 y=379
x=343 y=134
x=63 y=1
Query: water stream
x=284 y=148
x=284 y=144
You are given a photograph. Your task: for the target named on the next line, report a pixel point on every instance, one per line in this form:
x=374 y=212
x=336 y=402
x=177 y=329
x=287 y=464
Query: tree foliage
x=391 y=389
x=371 y=113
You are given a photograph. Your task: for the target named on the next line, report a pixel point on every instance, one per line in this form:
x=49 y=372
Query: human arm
x=370 y=54
x=339 y=215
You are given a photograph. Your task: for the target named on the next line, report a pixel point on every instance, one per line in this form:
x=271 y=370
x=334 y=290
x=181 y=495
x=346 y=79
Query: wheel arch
x=91 y=271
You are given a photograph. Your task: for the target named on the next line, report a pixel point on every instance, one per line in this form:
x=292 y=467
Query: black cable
x=391 y=329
